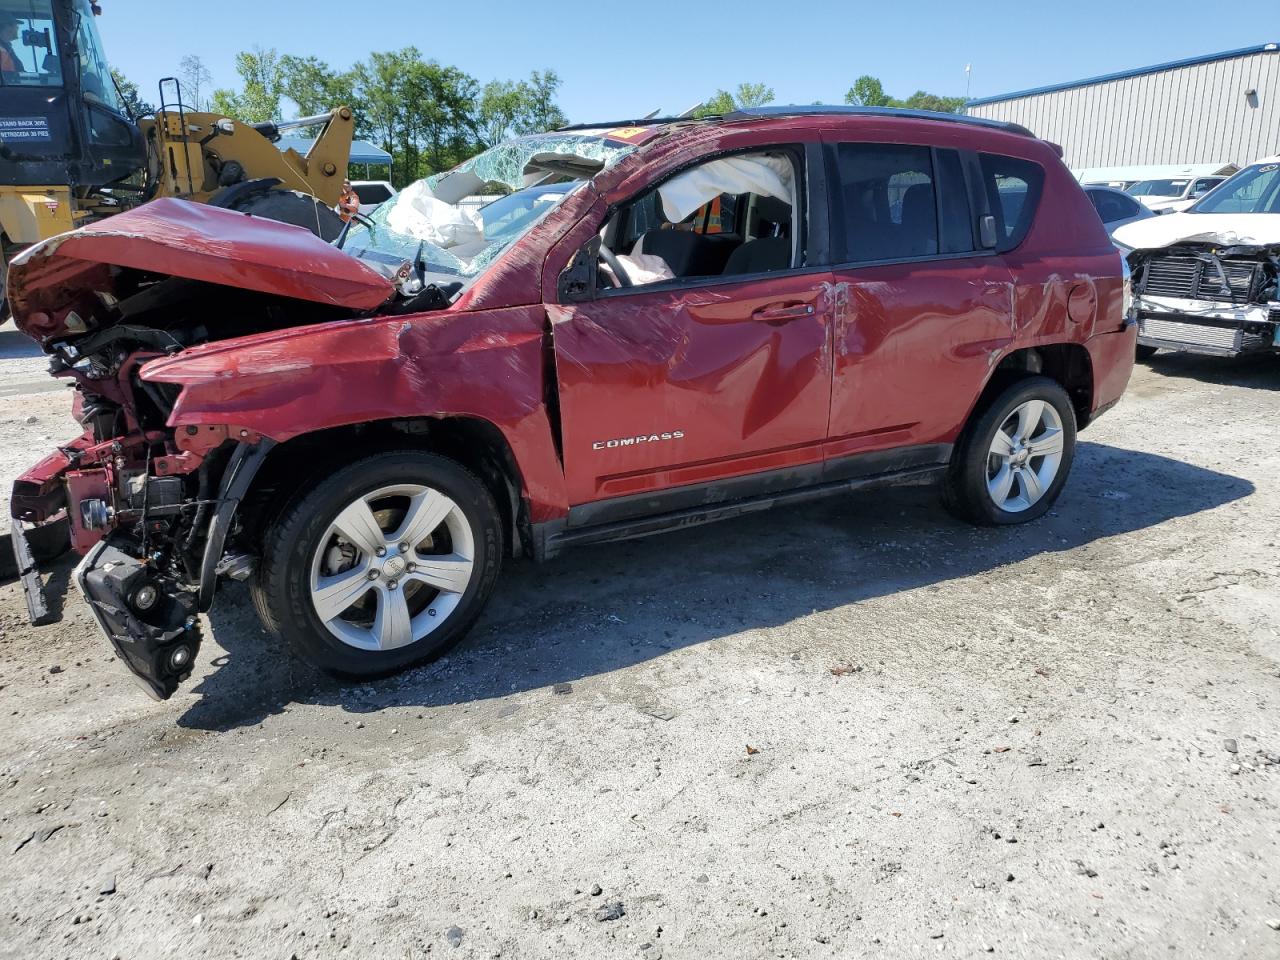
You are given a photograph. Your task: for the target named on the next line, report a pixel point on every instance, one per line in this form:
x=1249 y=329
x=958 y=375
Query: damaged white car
x=1205 y=281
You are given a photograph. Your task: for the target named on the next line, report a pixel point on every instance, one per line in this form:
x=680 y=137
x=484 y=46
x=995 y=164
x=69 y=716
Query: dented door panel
x=678 y=386
x=911 y=339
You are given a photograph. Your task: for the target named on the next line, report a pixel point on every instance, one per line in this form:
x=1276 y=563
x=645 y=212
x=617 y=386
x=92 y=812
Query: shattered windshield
x=453 y=225
x=1252 y=190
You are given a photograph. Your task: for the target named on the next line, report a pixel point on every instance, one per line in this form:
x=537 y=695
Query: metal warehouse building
x=1223 y=107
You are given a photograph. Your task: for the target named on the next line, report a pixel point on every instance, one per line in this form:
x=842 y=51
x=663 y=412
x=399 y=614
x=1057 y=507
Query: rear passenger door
x=921 y=309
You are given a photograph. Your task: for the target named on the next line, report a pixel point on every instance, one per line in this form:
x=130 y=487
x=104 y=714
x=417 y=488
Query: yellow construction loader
x=70 y=154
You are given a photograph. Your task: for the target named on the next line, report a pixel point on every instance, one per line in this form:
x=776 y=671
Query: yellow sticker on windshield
x=626 y=133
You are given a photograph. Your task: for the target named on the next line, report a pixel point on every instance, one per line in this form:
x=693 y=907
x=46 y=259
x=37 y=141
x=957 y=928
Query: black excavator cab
x=62 y=120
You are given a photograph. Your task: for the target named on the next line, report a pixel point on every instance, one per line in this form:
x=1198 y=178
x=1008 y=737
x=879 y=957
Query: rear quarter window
x=1013 y=188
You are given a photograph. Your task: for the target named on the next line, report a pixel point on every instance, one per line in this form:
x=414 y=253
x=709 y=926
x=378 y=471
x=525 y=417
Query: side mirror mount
x=987 y=232
x=577 y=283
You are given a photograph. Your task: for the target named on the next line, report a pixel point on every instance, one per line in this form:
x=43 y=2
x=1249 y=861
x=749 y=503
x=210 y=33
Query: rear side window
x=1013 y=191
x=896 y=202
x=1111 y=206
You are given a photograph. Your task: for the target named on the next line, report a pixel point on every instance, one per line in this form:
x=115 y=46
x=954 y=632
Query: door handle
x=783 y=313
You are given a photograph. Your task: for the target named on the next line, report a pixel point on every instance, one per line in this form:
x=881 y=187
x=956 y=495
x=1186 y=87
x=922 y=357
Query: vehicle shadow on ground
x=607 y=607
x=1259 y=371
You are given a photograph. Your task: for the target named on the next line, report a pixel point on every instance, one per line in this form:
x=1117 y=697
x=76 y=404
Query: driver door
x=693 y=390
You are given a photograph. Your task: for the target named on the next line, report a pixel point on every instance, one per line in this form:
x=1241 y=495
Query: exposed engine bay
x=158 y=493
x=1202 y=297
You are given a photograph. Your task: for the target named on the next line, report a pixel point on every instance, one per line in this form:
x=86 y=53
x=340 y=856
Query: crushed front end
x=140 y=502
x=148 y=501
x=1201 y=297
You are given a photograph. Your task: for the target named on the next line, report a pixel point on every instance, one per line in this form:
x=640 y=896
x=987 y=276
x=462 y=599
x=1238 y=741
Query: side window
x=896 y=201
x=730 y=216
x=886 y=201
x=1013 y=191
x=717 y=215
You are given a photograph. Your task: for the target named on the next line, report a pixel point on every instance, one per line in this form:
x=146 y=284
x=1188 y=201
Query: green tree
x=259 y=100
x=317 y=88
x=931 y=101
x=196 y=80
x=443 y=117
x=540 y=112
x=867 y=91
x=429 y=116
x=502 y=104
x=754 y=94
x=134 y=105
x=747 y=95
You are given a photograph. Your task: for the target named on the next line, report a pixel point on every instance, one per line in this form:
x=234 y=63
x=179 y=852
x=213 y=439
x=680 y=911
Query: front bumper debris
x=32 y=587
x=1224 y=332
x=150 y=619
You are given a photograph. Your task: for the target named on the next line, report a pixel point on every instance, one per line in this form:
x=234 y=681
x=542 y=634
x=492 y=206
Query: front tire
x=385 y=564
x=1014 y=457
x=1144 y=352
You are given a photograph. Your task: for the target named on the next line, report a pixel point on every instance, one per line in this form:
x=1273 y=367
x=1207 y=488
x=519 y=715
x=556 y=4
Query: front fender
x=484 y=364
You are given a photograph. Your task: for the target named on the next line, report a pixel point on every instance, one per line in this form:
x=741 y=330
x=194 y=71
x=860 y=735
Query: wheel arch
x=1069 y=364
x=298 y=464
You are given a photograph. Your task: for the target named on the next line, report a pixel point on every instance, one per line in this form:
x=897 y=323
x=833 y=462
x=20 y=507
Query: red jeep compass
x=579 y=336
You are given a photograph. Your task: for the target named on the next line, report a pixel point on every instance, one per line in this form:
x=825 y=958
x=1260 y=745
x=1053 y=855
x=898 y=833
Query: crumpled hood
x=1222 y=229
x=183 y=239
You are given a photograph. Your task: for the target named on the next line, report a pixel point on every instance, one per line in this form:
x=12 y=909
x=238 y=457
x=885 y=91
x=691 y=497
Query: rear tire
x=363 y=600
x=1144 y=352
x=299 y=209
x=1014 y=456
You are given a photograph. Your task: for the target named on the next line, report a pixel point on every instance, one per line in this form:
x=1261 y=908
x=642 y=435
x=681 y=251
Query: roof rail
x=844 y=110
x=756 y=113
x=610 y=124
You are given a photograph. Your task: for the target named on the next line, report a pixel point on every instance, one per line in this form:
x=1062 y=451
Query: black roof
x=816 y=110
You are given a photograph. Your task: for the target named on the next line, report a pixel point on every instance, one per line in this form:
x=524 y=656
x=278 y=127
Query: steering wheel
x=619 y=273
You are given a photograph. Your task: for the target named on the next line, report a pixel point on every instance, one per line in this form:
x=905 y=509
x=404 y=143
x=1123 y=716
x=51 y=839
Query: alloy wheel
x=1024 y=456
x=392 y=567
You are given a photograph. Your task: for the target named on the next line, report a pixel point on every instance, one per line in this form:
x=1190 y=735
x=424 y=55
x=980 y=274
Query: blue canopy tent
x=362 y=152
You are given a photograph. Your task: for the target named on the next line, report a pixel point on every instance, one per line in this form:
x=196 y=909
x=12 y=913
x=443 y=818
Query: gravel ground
x=857 y=728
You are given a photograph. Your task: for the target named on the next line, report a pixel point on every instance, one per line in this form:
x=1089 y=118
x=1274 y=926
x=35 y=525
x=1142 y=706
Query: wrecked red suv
x=660 y=323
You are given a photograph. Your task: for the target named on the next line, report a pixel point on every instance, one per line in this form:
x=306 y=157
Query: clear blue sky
x=621 y=60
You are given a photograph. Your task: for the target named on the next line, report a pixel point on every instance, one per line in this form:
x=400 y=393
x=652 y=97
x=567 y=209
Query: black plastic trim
x=240 y=472
x=643 y=514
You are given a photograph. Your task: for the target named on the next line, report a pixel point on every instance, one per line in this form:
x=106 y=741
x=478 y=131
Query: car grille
x=1191 y=278
x=1231 y=339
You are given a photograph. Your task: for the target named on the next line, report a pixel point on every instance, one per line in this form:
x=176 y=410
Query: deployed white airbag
x=764 y=176
x=452 y=185
x=417 y=214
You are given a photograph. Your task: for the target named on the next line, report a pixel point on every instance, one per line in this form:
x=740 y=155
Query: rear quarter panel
x=1068 y=278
